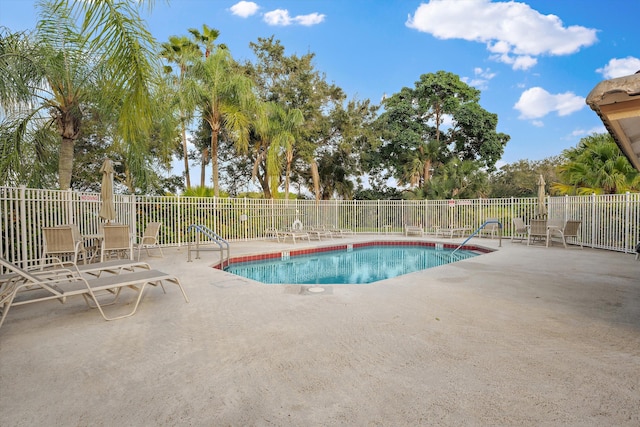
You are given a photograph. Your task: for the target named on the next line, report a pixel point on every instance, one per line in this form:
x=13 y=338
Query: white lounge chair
x=338 y=232
x=293 y=234
x=453 y=231
x=413 y=229
x=33 y=286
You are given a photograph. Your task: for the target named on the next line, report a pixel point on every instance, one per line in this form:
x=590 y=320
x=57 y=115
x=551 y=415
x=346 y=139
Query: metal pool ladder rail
x=489 y=221
x=223 y=245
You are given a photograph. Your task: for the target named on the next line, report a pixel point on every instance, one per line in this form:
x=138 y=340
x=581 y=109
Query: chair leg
x=135 y=307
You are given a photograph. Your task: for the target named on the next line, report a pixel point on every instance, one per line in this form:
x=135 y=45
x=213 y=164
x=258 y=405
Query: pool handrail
x=489 y=221
x=214 y=238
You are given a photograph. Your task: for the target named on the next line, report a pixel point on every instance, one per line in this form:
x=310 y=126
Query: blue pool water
x=357 y=266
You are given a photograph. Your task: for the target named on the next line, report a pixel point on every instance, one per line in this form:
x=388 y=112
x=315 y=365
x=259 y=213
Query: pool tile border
x=342 y=247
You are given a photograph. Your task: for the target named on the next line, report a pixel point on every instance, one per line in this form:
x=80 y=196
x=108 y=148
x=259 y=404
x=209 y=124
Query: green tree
x=519 y=179
x=438 y=120
x=50 y=81
x=226 y=100
x=596 y=165
x=182 y=52
x=277 y=130
x=344 y=153
x=293 y=83
x=458 y=179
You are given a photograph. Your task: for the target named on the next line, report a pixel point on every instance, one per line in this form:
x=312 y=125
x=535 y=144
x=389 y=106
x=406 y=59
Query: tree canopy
x=69 y=100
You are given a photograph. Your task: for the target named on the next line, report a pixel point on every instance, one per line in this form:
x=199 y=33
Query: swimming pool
x=351 y=264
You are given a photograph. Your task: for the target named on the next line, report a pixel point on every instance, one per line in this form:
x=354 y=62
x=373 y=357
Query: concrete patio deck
x=521 y=336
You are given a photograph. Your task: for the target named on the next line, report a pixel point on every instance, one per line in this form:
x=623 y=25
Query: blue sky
x=534 y=61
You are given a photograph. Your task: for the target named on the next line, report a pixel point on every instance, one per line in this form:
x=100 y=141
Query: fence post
x=593 y=220
x=23 y=223
x=627 y=220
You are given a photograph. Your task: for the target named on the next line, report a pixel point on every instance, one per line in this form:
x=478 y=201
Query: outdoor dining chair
x=519 y=229
x=538 y=230
x=570 y=229
x=149 y=239
x=63 y=242
x=116 y=240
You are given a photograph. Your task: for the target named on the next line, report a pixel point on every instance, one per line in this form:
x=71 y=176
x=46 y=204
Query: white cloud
x=481 y=78
x=538 y=123
x=620 y=67
x=514 y=32
x=244 y=9
x=281 y=17
x=277 y=17
x=536 y=102
x=310 y=19
x=583 y=132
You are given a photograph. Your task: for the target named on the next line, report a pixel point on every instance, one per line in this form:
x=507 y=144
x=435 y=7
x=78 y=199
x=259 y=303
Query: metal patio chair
x=116 y=240
x=64 y=242
x=570 y=229
x=149 y=239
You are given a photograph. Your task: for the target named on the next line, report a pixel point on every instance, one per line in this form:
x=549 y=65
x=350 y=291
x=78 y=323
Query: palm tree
x=207 y=38
x=459 y=179
x=277 y=129
x=182 y=52
x=597 y=166
x=226 y=100
x=106 y=62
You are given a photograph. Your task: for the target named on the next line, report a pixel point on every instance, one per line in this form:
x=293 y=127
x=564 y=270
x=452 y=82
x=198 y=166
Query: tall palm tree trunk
x=68 y=122
x=287 y=175
x=205 y=156
x=315 y=176
x=214 y=162
x=65 y=163
x=186 y=155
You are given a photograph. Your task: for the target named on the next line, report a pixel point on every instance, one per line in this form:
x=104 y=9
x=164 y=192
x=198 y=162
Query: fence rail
x=608 y=222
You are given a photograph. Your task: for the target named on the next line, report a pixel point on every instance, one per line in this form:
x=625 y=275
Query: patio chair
x=62 y=283
x=63 y=242
x=116 y=239
x=519 y=230
x=149 y=239
x=319 y=233
x=453 y=231
x=538 y=230
x=271 y=233
x=491 y=229
x=413 y=229
x=293 y=234
x=570 y=229
x=338 y=232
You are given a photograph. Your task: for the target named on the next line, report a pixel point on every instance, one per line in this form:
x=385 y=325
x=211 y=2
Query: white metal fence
x=608 y=222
